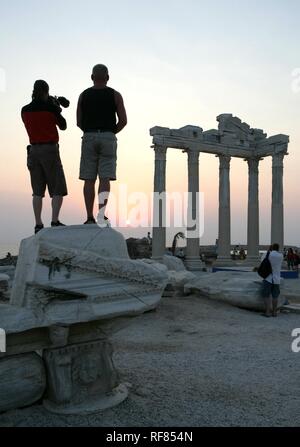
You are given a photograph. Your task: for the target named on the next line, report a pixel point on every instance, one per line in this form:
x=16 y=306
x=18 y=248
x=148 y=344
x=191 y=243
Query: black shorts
x=46 y=170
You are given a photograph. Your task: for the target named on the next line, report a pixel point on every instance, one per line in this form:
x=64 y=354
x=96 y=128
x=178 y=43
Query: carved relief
x=77 y=373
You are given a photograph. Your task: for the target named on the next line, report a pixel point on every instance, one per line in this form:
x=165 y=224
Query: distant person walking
x=41 y=118
x=97 y=113
x=271 y=285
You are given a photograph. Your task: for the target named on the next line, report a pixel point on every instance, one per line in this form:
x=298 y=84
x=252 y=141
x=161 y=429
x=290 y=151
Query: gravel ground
x=196 y=362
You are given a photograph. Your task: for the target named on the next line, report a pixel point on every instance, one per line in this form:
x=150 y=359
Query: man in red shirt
x=41 y=118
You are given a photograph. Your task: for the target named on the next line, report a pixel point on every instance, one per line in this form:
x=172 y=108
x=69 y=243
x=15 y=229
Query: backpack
x=265 y=268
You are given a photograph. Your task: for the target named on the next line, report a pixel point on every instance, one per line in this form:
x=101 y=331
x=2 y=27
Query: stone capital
x=278 y=160
x=224 y=161
x=193 y=157
x=160 y=152
x=253 y=164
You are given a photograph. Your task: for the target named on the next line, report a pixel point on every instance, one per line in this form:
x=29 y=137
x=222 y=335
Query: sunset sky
x=175 y=63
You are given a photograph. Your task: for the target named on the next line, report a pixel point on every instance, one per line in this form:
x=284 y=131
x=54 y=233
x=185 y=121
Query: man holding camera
x=97 y=112
x=41 y=118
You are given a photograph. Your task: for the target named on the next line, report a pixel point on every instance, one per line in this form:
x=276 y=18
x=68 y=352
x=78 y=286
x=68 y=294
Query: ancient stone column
x=159 y=205
x=253 y=210
x=277 y=231
x=224 y=245
x=193 y=261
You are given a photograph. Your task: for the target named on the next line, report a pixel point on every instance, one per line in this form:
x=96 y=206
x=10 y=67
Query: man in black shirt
x=97 y=113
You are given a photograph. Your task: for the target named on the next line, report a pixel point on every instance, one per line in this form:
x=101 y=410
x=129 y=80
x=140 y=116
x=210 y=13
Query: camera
x=60 y=101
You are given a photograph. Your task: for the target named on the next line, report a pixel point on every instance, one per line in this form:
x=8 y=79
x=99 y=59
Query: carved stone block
x=82 y=379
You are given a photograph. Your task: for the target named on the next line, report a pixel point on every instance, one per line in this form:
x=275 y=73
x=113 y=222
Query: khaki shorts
x=45 y=167
x=98 y=156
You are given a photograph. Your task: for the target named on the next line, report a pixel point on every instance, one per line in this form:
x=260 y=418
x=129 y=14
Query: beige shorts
x=45 y=168
x=98 y=156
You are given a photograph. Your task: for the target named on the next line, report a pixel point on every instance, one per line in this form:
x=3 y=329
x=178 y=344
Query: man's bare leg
x=57 y=202
x=89 y=197
x=37 y=203
x=268 y=304
x=104 y=191
x=275 y=307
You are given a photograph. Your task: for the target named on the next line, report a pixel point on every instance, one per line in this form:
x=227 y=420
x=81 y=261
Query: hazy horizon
x=175 y=64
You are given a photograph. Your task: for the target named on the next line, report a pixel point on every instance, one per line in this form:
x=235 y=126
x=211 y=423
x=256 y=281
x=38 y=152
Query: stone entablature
x=233 y=138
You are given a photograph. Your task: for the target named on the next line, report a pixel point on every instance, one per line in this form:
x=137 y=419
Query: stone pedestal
x=82 y=379
x=193 y=261
x=159 y=206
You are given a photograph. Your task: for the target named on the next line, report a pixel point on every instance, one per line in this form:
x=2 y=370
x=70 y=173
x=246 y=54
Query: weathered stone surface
x=8 y=270
x=74 y=287
x=22 y=381
x=192 y=132
x=173 y=263
x=156 y=265
x=15 y=319
x=77 y=274
x=157 y=130
x=4 y=286
x=178 y=279
x=82 y=379
x=176 y=272
x=238 y=289
x=3 y=281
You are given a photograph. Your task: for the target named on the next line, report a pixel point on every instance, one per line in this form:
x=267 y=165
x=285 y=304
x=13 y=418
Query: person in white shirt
x=271 y=285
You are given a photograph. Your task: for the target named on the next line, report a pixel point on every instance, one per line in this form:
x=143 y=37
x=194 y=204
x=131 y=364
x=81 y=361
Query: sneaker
x=38 y=228
x=57 y=224
x=103 y=222
x=90 y=221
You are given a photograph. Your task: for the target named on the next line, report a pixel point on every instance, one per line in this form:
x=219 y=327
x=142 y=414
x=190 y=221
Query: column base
x=158 y=259
x=82 y=379
x=90 y=406
x=223 y=261
x=194 y=264
x=252 y=261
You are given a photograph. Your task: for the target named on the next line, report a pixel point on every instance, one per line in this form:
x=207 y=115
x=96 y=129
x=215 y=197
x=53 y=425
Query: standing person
x=41 y=118
x=290 y=259
x=296 y=260
x=97 y=113
x=271 y=285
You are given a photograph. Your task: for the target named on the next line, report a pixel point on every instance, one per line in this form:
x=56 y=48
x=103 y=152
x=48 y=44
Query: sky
x=175 y=63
